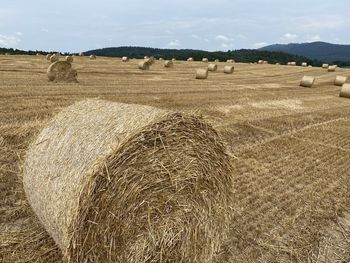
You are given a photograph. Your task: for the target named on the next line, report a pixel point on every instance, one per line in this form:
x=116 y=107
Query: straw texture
x=114 y=182
x=61 y=71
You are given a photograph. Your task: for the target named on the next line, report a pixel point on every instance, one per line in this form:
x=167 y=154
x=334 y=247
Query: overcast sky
x=80 y=25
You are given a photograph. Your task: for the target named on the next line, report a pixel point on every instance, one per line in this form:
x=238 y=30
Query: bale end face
x=202 y=73
x=144 y=65
x=340 y=80
x=168 y=64
x=212 y=67
x=307 y=81
x=125 y=59
x=345 y=91
x=229 y=69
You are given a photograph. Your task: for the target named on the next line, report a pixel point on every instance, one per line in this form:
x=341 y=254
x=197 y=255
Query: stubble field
x=290 y=149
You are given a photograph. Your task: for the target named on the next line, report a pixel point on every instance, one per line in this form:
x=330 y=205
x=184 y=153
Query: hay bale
x=202 y=73
x=92 y=57
x=292 y=63
x=54 y=58
x=260 y=61
x=265 y=62
x=345 y=91
x=81 y=54
x=277 y=64
x=229 y=69
x=61 y=71
x=230 y=61
x=168 y=63
x=332 y=68
x=309 y=66
x=205 y=60
x=48 y=56
x=216 y=60
x=190 y=59
x=125 y=59
x=325 y=66
x=146 y=57
x=161 y=59
x=212 y=67
x=307 y=81
x=304 y=64
x=69 y=59
x=340 y=80
x=114 y=182
x=144 y=65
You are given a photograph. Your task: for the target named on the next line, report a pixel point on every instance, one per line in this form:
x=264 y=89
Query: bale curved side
x=229 y=69
x=61 y=71
x=126 y=183
x=212 y=67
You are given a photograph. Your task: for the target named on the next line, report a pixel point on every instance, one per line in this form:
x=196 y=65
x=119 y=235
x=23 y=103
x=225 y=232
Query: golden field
x=289 y=147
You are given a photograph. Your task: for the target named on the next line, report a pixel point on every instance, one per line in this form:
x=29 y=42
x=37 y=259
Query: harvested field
x=289 y=148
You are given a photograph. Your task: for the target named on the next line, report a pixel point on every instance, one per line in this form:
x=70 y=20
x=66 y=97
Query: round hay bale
x=345 y=91
x=161 y=59
x=114 y=182
x=292 y=63
x=307 y=81
x=61 y=71
x=168 y=63
x=48 y=56
x=205 y=60
x=265 y=62
x=146 y=57
x=190 y=59
x=309 y=66
x=125 y=59
x=54 y=58
x=202 y=73
x=81 y=54
x=92 y=57
x=340 y=80
x=229 y=69
x=173 y=59
x=212 y=67
x=230 y=61
x=260 y=61
x=150 y=60
x=332 y=68
x=217 y=60
x=325 y=66
x=304 y=64
x=38 y=54
x=69 y=59
x=277 y=64
x=144 y=65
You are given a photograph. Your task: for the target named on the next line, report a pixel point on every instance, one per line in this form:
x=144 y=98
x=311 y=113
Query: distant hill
x=243 y=55
x=317 y=50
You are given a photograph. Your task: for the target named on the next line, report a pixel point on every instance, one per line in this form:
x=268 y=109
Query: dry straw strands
x=168 y=63
x=69 y=59
x=125 y=59
x=345 y=91
x=205 y=60
x=325 y=66
x=113 y=182
x=212 y=67
x=61 y=71
x=340 y=80
x=202 y=73
x=332 y=68
x=229 y=69
x=304 y=64
x=307 y=81
x=144 y=65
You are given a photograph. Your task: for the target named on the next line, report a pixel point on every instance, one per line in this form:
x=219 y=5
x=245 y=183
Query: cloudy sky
x=80 y=25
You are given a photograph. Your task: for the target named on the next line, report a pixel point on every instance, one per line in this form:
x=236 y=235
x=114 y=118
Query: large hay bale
x=345 y=91
x=212 y=67
x=48 y=56
x=205 y=60
x=332 y=68
x=61 y=71
x=325 y=66
x=168 y=63
x=202 y=73
x=229 y=69
x=304 y=64
x=69 y=59
x=307 y=81
x=113 y=182
x=340 y=80
x=54 y=58
x=125 y=59
x=144 y=65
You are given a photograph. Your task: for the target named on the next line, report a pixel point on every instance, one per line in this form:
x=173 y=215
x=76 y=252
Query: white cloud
x=174 y=43
x=227 y=45
x=289 y=36
x=9 y=41
x=260 y=44
x=313 y=38
x=224 y=38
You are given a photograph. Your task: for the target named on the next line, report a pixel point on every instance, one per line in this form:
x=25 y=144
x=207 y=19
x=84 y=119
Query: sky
x=81 y=25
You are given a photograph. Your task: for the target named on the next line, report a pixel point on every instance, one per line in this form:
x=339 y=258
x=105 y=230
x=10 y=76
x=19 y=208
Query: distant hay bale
x=69 y=59
x=146 y=57
x=309 y=66
x=114 y=182
x=150 y=60
x=190 y=59
x=212 y=67
x=168 y=63
x=202 y=73
x=48 y=56
x=125 y=59
x=92 y=57
x=325 y=66
x=229 y=69
x=292 y=63
x=230 y=61
x=265 y=62
x=304 y=64
x=216 y=60
x=54 y=58
x=144 y=65
x=205 y=60
x=81 y=54
x=260 y=61
x=332 y=68
x=173 y=59
x=340 y=80
x=345 y=91
x=277 y=64
x=161 y=59
x=61 y=71
x=38 y=54
x=307 y=81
